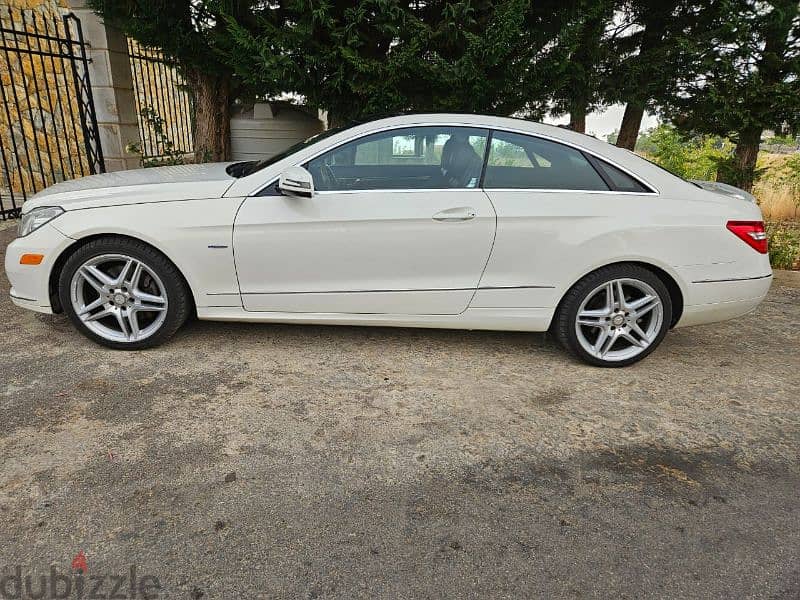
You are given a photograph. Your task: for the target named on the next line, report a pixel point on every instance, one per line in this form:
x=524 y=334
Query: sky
x=600 y=124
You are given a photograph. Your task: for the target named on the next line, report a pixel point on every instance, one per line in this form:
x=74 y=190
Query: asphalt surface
x=263 y=461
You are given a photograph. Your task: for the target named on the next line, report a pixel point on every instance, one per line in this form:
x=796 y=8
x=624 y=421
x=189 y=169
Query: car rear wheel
x=614 y=316
x=123 y=293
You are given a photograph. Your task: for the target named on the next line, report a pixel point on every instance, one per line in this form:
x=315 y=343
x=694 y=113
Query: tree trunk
x=744 y=160
x=639 y=90
x=629 y=128
x=577 y=120
x=212 y=114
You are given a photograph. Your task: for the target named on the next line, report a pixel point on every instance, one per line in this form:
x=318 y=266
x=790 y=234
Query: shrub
x=696 y=157
x=784 y=245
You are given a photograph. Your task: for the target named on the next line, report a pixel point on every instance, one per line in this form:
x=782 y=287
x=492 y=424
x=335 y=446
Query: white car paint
x=380 y=258
x=362 y=252
x=162 y=184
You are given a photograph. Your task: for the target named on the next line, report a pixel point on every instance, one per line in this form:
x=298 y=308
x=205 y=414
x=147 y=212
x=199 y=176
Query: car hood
x=158 y=184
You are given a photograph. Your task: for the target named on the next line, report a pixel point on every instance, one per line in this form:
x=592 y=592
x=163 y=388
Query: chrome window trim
x=486 y=190
x=639 y=178
x=400 y=190
x=559 y=190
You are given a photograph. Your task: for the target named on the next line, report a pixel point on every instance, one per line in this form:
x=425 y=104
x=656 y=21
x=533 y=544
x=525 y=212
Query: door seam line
x=491 y=250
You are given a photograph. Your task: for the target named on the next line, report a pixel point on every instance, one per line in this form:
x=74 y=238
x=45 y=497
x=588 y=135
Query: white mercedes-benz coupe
x=426 y=220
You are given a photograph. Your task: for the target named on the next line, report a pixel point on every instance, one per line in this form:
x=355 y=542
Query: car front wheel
x=123 y=293
x=614 y=316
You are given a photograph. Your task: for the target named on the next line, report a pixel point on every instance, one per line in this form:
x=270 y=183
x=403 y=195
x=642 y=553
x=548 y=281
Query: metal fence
x=48 y=124
x=164 y=104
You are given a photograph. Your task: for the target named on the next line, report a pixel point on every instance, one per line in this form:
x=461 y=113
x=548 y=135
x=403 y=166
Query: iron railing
x=161 y=92
x=48 y=124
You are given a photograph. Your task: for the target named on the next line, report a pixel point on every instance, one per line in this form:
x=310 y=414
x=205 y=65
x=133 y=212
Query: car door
x=397 y=225
x=560 y=211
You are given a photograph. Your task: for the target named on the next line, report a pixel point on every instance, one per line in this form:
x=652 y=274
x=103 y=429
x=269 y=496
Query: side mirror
x=296 y=181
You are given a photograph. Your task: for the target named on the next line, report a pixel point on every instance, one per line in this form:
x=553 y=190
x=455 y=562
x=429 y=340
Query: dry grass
x=778 y=194
x=779 y=202
x=778 y=188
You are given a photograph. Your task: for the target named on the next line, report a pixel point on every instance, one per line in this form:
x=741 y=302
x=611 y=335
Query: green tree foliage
x=656 y=45
x=379 y=56
x=728 y=68
x=582 y=85
x=750 y=81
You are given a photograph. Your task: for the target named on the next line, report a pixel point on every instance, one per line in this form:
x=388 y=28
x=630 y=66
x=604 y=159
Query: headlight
x=34 y=219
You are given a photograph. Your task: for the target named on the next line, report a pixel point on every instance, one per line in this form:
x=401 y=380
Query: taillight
x=752 y=232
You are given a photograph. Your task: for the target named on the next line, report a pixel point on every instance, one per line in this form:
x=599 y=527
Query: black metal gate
x=48 y=124
x=164 y=104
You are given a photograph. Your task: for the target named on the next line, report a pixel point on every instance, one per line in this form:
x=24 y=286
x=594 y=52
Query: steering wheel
x=328 y=178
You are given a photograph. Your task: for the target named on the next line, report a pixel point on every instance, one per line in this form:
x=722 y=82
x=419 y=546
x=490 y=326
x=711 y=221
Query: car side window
x=527 y=162
x=620 y=180
x=426 y=157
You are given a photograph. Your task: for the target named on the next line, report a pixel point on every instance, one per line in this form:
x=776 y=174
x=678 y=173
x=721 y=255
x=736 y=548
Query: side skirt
x=500 y=319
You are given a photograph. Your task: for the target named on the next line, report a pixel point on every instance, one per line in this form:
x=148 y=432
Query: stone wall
x=40 y=132
x=42 y=6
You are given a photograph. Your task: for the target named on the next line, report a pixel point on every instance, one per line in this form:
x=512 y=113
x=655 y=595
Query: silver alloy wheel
x=119 y=298
x=619 y=319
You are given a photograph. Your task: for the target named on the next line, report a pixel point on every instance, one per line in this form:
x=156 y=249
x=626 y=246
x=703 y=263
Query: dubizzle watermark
x=78 y=584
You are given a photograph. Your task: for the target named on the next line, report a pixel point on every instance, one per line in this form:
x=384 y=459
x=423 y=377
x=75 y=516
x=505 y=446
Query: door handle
x=455 y=214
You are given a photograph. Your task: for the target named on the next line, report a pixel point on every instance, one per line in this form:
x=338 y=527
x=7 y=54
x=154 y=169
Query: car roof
x=490 y=121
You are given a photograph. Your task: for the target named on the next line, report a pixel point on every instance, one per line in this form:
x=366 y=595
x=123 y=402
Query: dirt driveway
x=250 y=461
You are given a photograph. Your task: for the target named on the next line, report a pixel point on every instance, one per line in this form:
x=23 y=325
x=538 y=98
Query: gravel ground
x=250 y=461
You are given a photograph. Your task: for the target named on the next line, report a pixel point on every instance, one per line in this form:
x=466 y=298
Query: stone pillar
x=112 y=88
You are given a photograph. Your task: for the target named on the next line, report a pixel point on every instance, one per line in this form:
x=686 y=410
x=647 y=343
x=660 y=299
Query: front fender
x=196 y=235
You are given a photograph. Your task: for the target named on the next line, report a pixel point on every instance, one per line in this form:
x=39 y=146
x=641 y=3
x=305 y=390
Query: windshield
x=243 y=169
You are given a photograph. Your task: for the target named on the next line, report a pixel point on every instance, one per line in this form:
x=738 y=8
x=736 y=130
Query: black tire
x=179 y=304
x=564 y=322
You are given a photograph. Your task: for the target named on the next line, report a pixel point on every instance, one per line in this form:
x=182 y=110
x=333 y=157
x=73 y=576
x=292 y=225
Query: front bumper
x=30 y=284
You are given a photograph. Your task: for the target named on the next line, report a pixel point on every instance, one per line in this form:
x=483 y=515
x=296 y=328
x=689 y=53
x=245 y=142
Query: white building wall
x=269 y=129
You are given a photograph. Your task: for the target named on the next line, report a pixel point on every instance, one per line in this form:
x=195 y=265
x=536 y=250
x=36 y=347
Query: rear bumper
x=712 y=301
